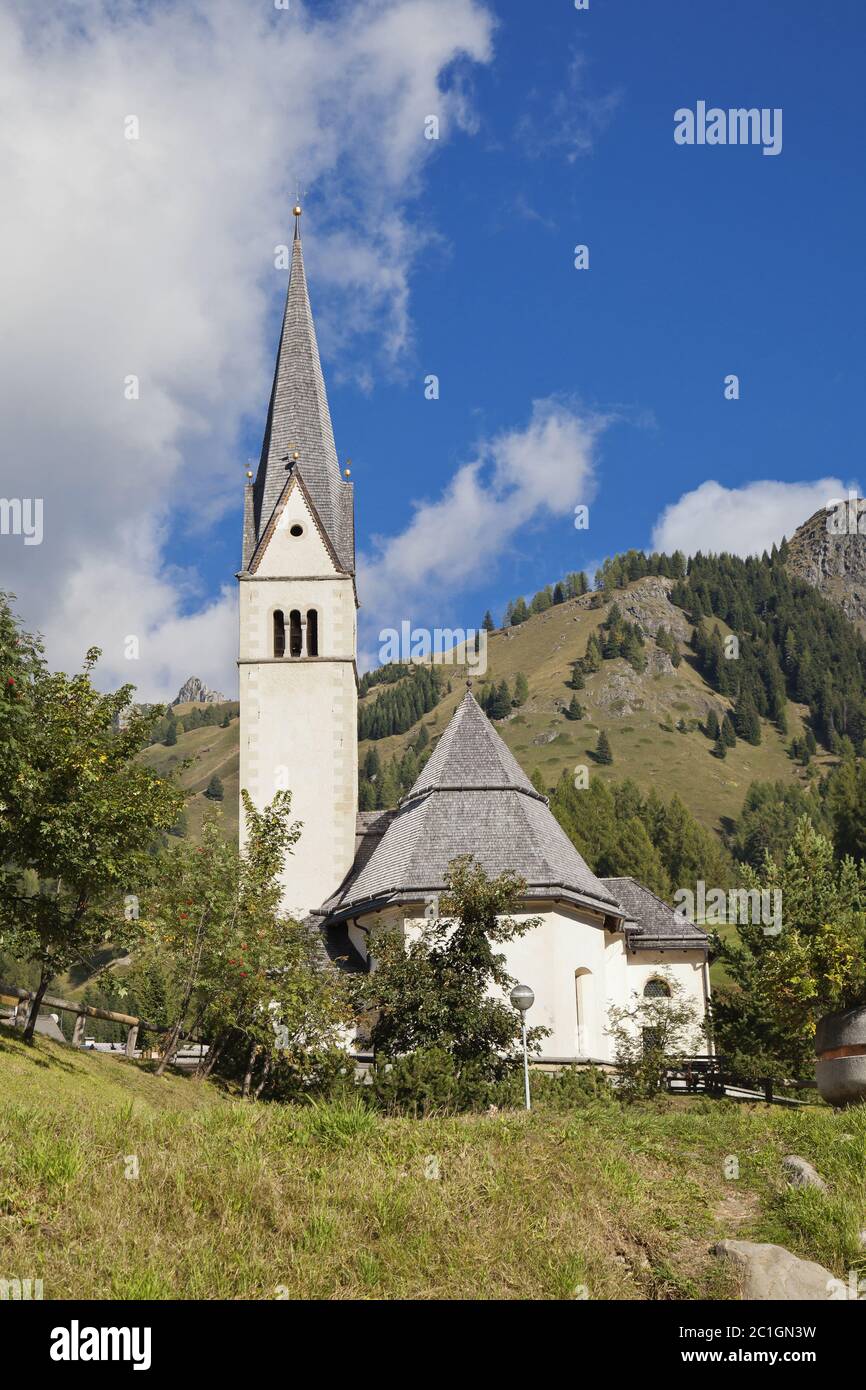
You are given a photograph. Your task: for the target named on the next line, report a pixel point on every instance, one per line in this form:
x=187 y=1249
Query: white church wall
x=577 y=970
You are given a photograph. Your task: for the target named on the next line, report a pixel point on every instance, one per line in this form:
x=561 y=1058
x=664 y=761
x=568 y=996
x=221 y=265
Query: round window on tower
x=296 y=530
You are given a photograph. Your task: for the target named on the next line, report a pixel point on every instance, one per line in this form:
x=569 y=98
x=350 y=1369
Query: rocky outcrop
x=194 y=690
x=768 y=1272
x=648 y=604
x=829 y=552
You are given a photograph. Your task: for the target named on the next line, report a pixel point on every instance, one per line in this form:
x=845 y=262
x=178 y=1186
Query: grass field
x=252 y=1201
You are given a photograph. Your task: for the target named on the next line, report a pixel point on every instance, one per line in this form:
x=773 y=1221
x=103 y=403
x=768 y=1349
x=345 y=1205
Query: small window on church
x=312 y=633
x=656 y=989
x=279 y=634
x=296 y=530
x=294 y=633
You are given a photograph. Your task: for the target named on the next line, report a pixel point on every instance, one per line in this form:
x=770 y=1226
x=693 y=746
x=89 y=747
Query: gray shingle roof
x=657 y=926
x=299 y=420
x=472 y=797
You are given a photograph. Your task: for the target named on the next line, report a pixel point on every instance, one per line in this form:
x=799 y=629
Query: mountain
x=653 y=718
x=829 y=552
x=653 y=683
x=195 y=691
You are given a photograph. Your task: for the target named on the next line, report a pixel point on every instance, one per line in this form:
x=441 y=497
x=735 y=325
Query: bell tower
x=298 y=630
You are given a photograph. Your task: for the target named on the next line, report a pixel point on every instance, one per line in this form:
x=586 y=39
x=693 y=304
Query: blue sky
x=557 y=129
x=703 y=261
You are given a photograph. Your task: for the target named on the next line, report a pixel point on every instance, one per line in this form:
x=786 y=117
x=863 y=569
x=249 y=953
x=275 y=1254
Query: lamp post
x=523 y=998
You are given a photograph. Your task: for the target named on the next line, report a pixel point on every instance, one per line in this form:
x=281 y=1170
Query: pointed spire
x=298 y=432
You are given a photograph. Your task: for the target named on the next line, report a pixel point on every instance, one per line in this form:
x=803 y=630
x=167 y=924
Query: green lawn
x=248 y=1201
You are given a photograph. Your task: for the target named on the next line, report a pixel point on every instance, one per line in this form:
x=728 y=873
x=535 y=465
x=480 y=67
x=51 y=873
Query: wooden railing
x=712 y=1077
x=11 y=994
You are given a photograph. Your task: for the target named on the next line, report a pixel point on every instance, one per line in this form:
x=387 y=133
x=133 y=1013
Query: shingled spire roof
x=299 y=422
x=472 y=797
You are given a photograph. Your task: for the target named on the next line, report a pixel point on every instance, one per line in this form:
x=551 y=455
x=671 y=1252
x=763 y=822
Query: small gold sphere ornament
x=249 y=473
x=297 y=209
x=347 y=472
x=296 y=456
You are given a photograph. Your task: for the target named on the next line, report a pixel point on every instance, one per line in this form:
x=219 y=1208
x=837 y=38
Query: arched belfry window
x=279 y=633
x=656 y=989
x=312 y=632
x=295 y=633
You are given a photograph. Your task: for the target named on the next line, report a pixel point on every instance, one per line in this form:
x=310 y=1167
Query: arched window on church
x=294 y=633
x=312 y=632
x=582 y=1008
x=656 y=989
x=279 y=633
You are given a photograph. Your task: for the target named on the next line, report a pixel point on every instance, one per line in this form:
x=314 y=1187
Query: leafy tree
x=651 y=1036
x=231 y=966
x=521 y=690
x=83 y=818
x=783 y=983
x=444 y=989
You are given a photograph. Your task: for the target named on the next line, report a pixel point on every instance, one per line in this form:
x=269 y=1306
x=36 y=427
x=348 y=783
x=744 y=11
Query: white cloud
x=518 y=478
x=154 y=257
x=740 y=520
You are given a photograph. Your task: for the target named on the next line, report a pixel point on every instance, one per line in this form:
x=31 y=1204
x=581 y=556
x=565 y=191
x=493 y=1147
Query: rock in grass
x=769 y=1272
x=800 y=1173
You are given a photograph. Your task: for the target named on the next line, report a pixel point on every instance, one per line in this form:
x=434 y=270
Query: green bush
x=430 y=1081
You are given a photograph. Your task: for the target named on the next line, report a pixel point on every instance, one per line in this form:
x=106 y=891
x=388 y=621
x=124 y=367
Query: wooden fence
x=11 y=994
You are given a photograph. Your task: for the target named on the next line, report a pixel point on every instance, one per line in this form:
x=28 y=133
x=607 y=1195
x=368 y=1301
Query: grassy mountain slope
x=210 y=750
x=632 y=708
x=639 y=712
x=333 y=1202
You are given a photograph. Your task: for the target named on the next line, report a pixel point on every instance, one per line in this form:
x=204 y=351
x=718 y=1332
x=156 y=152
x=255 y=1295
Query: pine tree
x=603 y=751
x=712 y=726
x=592 y=658
x=171 y=734
x=488 y=623
x=720 y=748
x=521 y=690
x=215 y=789
x=728 y=732
x=537 y=780
x=575 y=708
x=519 y=612
x=499 y=702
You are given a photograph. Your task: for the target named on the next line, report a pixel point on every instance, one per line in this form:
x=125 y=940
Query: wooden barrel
x=840 y=1050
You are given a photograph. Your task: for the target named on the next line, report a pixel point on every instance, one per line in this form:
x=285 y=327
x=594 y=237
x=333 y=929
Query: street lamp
x=522 y=998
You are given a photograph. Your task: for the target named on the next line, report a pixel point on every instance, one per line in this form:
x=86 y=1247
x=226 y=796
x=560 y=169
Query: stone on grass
x=769 y=1272
x=800 y=1173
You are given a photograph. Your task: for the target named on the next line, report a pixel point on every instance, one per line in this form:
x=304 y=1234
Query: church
x=599 y=941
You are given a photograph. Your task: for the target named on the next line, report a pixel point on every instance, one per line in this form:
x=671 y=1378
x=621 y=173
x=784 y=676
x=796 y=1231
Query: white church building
x=599 y=941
